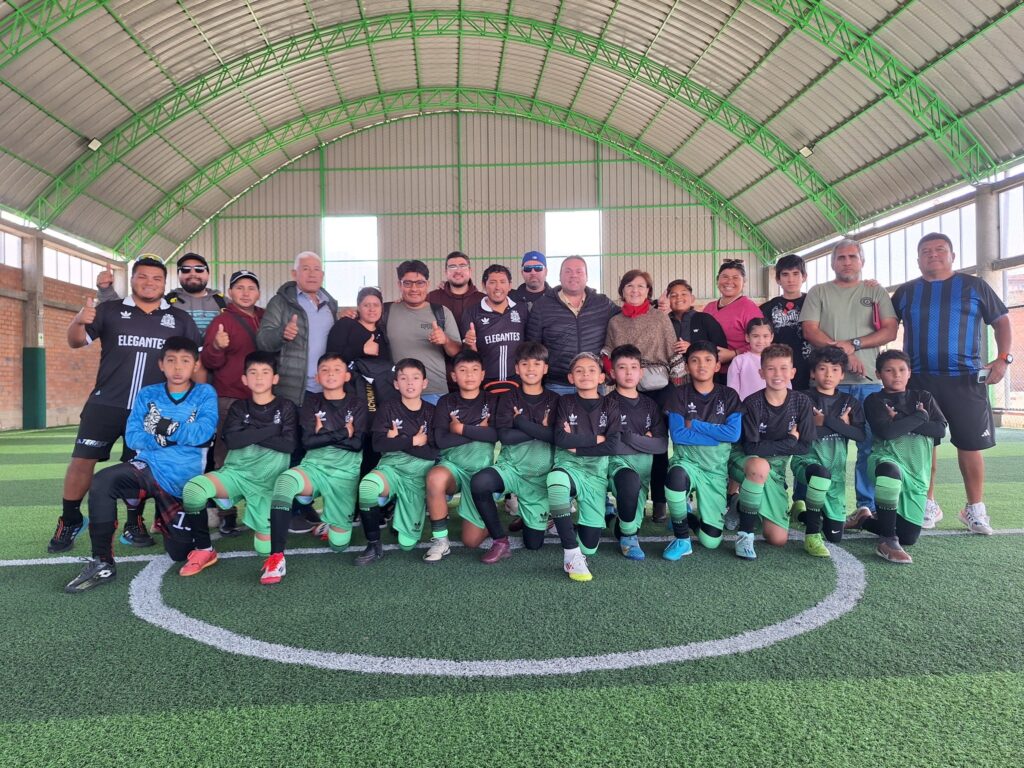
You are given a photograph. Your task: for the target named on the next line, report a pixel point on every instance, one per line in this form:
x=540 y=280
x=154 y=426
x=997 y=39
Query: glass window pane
x=573 y=233
x=1011 y=223
x=12 y=250
x=898 y=257
x=49 y=263
x=350 y=256
x=63 y=266
x=967 y=254
x=74 y=270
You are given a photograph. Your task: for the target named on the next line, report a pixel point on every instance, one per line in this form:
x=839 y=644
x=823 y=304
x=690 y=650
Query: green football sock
x=288 y=485
x=676 y=504
x=559 y=494
x=817 y=490
x=371 y=490
x=196 y=493
x=262 y=546
x=887 y=491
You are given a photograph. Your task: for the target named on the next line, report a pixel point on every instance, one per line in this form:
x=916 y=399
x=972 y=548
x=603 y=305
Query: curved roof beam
x=34 y=21
x=420 y=24
x=898 y=81
x=421 y=101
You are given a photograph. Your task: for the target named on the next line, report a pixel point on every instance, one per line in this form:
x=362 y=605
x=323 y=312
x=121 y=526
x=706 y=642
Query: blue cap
x=535 y=256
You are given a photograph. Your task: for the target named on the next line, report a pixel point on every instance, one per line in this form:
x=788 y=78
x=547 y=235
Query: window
x=573 y=233
x=350 y=256
x=68 y=268
x=11 y=248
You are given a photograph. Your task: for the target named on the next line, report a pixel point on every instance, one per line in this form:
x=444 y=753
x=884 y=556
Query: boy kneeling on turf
x=777 y=423
x=838 y=417
x=524 y=421
x=260 y=435
x=587 y=429
x=642 y=434
x=907 y=424
x=704 y=419
x=401 y=434
x=170 y=428
x=333 y=423
x=463 y=432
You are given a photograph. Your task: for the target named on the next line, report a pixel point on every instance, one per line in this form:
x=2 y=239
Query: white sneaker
x=732 y=513
x=439 y=548
x=932 y=514
x=577 y=568
x=975 y=517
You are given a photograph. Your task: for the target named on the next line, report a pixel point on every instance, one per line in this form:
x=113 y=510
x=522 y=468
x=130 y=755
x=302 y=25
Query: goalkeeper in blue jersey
x=170 y=428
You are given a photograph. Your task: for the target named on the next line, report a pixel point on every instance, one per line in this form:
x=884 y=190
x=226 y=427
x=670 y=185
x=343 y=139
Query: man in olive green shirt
x=859 y=319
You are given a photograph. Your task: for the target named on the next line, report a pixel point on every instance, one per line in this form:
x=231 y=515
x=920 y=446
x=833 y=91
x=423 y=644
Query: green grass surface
x=928 y=670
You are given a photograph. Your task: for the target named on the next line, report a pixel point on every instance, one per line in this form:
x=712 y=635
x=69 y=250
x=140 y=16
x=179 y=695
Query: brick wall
x=70 y=373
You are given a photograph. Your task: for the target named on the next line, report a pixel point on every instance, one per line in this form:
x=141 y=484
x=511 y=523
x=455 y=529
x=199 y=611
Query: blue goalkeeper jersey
x=172 y=436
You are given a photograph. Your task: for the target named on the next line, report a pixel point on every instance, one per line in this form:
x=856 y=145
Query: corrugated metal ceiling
x=774 y=73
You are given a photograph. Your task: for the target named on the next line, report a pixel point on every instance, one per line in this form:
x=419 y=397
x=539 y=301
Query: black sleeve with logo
x=638 y=417
x=470 y=413
x=833 y=409
x=333 y=416
x=908 y=418
x=579 y=422
x=767 y=429
x=393 y=414
x=273 y=426
x=521 y=417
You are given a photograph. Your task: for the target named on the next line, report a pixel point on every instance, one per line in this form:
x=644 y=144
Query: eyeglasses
x=198 y=270
x=534 y=268
x=414 y=283
x=456 y=267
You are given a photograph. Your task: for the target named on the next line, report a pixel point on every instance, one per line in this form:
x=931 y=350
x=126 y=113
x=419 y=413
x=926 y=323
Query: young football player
x=259 y=434
x=170 y=428
x=704 y=419
x=642 y=434
x=524 y=421
x=777 y=424
x=464 y=431
x=907 y=424
x=586 y=433
x=838 y=417
x=745 y=369
x=784 y=314
x=332 y=424
x=401 y=434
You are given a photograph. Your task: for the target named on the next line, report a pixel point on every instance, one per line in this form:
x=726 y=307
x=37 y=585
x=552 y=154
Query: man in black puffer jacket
x=572 y=321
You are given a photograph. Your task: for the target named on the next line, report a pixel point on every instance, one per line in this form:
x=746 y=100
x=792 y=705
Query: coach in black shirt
x=131 y=333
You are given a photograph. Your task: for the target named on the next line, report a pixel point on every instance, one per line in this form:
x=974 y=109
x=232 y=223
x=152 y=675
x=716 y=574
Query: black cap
x=149 y=260
x=236 y=276
x=193 y=257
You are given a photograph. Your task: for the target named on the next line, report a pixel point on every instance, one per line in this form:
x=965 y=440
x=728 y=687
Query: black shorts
x=965 y=404
x=99 y=427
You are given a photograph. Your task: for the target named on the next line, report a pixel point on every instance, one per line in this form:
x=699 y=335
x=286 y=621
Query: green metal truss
x=419 y=101
x=892 y=76
x=34 y=21
x=422 y=24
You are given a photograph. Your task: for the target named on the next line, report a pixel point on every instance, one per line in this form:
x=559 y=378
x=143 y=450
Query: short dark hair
x=935 y=236
x=757 y=322
x=531 y=350
x=891 y=354
x=790 y=261
x=831 y=354
x=736 y=264
x=780 y=351
x=413 y=265
x=259 y=357
x=628 y=351
x=467 y=356
x=369 y=291
x=497 y=268
x=455 y=255
x=180 y=344
x=632 y=275
x=676 y=284
x=702 y=346
x=411 y=362
x=149 y=261
x=330 y=356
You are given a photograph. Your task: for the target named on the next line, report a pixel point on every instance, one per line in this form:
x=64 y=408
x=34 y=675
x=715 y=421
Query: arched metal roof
x=193 y=102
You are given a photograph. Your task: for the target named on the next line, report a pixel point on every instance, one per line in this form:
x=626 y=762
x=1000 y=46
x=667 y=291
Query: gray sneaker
x=439 y=549
x=932 y=514
x=975 y=517
x=732 y=513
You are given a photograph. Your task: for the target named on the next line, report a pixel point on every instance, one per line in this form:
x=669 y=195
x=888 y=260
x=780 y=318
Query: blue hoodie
x=180 y=455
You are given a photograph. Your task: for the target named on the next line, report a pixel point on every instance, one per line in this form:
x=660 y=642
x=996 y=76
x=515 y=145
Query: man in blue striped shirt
x=944 y=314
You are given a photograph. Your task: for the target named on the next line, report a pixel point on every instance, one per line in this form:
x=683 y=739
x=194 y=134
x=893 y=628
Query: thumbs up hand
x=470 y=337
x=104 y=279
x=87 y=314
x=221 y=340
x=437 y=336
x=292 y=329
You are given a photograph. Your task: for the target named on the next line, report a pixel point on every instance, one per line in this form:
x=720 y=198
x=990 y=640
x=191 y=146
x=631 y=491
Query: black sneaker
x=374 y=551
x=660 y=512
x=136 y=536
x=95 y=573
x=229 y=528
x=300 y=524
x=65 y=535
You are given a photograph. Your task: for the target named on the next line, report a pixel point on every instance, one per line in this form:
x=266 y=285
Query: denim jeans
x=863 y=484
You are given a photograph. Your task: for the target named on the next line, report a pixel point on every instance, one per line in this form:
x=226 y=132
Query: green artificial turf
x=928 y=670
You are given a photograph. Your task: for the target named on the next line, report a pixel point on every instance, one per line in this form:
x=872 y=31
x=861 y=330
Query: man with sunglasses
x=535 y=280
x=192 y=295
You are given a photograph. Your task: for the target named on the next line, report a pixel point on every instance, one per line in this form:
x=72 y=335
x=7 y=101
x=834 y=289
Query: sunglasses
x=189 y=270
x=534 y=268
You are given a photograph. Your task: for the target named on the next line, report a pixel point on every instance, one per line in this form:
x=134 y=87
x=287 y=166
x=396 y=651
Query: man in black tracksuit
x=572 y=321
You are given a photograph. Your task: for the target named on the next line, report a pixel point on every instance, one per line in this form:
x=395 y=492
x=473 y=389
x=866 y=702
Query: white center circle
x=148 y=604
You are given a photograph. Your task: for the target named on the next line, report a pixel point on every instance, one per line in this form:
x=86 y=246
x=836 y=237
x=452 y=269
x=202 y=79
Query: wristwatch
x=1006 y=357
x=856 y=344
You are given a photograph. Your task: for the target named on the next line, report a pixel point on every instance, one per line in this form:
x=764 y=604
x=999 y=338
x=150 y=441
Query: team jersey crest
x=167 y=321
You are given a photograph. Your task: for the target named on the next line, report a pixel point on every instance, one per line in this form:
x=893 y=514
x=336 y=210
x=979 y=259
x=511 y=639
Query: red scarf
x=635 y=310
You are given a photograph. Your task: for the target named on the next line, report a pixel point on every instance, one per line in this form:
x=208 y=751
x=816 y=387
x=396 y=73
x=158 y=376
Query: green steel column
x=458 y=176
x=33 y=353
